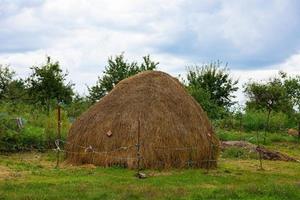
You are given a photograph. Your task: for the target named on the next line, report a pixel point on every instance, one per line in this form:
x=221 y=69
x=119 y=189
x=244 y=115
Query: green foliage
x=16 y=92
x=292 y=86
x=231 y=135
x=118 y=69
x=203 y=97
x=77 y=107
x=46 y=85
x=13 y=138
x=212 y=86
x=50 y=127
x=270 y=96
x=272 y=106
x=39 y=131
x=12 y=90
x=239 y=153
x=255 y=120
x=6 y=77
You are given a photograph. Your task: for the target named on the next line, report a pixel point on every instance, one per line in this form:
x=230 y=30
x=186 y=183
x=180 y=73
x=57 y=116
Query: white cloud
x=83 y=34
x=291 y=65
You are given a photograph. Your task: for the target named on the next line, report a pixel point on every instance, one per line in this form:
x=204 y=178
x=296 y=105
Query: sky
x=255 y=37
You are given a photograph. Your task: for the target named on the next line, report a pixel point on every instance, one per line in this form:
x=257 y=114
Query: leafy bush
x=236 y=152
x=254 y=120
x=280 y=137
x=33 y=137
x=15 y=139
x=230 y=135
x=39 y=131
x=251 y=137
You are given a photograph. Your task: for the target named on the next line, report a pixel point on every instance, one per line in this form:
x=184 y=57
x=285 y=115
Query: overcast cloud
x=257 y=38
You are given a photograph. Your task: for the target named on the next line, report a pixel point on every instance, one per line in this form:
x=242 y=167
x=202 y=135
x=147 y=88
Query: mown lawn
x=29 y=176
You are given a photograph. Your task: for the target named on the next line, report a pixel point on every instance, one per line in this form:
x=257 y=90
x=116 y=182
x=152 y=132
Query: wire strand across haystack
x=174 y=129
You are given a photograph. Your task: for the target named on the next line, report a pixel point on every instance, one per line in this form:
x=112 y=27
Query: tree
x=16 y=91
x=78 y=106
x=117 y=70
x=6 y=77
x=46 y=84
x=269 y=96
x=212 y=86
x=292 y=86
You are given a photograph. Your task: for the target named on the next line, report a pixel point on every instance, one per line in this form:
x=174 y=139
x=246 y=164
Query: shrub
x=39 y=131
x=50 y=126
x=230 y=135
x=256 y=120
x=25 y=139
x=236 y=152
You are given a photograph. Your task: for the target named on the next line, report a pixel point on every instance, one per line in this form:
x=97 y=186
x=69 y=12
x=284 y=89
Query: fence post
x=210 y=156
x=58 y=133
x=259 y=151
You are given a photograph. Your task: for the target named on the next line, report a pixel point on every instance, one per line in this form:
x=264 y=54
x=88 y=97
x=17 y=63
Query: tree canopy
x=116 y=70
x=292 y=86
x=212 y=86
x=6 y=77
x=277 y=94
x=47 y=84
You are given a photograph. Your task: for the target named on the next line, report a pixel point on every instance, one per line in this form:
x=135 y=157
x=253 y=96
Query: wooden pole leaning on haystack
x=138 y=154
x=58 y=133
x=211 y=159
x=139 y=174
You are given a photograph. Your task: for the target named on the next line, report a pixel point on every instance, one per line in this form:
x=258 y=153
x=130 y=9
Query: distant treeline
x=271 y=105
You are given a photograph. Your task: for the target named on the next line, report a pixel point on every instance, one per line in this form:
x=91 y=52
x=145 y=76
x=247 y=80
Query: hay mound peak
x=172 y=128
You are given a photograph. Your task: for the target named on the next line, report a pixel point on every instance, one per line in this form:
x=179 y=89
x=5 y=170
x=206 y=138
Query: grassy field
x=32 y=175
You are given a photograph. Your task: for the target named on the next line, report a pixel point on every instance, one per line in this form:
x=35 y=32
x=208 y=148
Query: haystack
x=148 y=118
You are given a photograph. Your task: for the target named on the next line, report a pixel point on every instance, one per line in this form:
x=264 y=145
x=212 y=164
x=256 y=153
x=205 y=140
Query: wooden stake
x=58 y=133
x=259 y=152
x=138 y=148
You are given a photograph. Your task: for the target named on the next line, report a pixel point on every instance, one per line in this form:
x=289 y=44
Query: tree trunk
x=267 y=126
x=298 y=132
x=259 y=152
x=240 y=128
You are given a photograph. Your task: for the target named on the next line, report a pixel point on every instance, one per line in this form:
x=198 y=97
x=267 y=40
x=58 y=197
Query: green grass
x=252 y=136
x=33 y=176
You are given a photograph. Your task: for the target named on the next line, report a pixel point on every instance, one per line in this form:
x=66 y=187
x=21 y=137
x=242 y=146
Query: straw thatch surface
x=174 y=130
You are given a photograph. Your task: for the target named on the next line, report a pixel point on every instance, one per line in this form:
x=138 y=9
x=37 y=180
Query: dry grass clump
x=174 y=130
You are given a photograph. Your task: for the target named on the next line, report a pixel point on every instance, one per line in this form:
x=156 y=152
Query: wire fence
x=89 y=150
x=59 y=146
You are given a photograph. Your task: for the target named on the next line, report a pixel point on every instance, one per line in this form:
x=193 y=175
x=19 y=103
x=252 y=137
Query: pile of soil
x=267 y=154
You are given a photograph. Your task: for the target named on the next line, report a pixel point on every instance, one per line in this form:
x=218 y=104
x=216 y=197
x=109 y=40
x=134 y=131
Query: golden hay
x=174 y=130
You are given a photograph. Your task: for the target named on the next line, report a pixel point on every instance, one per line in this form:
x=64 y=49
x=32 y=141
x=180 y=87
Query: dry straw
x=174 y=130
